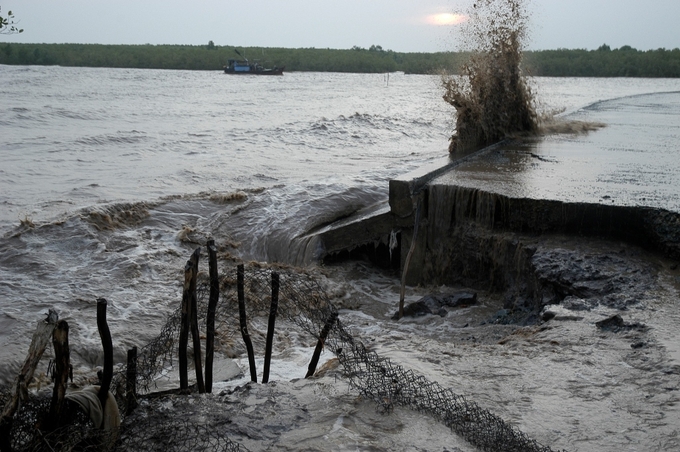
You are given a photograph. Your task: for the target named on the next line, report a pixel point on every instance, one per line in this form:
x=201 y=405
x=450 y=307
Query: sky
x=399 y=25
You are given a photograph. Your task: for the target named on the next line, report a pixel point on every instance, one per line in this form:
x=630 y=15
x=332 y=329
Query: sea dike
x=484 y=216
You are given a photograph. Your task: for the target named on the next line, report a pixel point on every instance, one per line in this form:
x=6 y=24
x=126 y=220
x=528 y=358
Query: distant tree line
x=212 y=57
x=603 y=62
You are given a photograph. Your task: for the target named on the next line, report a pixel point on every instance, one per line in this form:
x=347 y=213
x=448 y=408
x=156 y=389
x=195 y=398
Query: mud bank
x=533 y=251
x=538 y=252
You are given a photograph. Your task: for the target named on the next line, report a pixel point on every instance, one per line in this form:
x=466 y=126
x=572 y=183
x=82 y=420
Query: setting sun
x=446 y=19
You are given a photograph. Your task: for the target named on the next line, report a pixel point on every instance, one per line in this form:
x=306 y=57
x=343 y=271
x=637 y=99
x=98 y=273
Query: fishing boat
x=245 y=67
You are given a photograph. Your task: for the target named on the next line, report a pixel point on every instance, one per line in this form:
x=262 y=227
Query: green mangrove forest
x=603 y=62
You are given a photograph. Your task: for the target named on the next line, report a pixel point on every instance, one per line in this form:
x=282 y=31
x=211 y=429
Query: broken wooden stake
x=107 y=345
x=187 y=322
x=320 y=343
x=210 y=318
x=41 y=337
x=193 y=318
x=271 y=326
x=240 y=281
x=184 y=329
x=62 y=366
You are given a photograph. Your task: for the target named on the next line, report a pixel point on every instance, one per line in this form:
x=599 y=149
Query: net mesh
x=304 y=304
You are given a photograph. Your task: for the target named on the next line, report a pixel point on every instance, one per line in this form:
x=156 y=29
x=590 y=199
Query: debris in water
x=434 y=304
x=615 y=324
x=492 y=98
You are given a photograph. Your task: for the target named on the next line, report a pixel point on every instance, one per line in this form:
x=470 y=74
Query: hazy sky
x=400 y=25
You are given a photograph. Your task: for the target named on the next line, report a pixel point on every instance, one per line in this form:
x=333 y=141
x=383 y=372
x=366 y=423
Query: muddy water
x=110 y=178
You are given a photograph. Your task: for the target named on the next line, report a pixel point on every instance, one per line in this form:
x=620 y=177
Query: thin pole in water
x=107 y=345
x=407 y=262
x=240 y=278
x=320 y=343
x=193 y=318
x=210 y=320
x=272 y=323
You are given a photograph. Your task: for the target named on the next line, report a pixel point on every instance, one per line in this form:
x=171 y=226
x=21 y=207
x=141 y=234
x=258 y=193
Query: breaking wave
x=118 y=215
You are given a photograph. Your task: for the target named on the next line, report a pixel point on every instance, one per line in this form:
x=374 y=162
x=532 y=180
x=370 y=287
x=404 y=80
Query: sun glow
x=446 y=19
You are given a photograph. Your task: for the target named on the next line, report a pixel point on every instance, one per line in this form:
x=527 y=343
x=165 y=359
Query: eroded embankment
x=539 y=252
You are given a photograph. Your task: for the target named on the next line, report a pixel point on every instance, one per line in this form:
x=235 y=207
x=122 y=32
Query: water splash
x=492 y=98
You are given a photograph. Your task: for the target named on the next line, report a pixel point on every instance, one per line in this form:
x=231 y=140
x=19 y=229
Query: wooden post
x=210 y=320
x=131 y=380
x=193 y=317
x=41 y=338
x=62 y=364
x=270 y=329
x=240 y=277
x=189 y=321
x=184 y=327
x=319 y=345
x=107 y=345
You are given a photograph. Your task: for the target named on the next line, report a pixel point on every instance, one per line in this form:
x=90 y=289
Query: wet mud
x=574 y=340
x=530 y=347
x=541 y=252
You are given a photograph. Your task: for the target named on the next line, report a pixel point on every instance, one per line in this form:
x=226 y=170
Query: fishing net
x=170 y=434
x=304 y=303
x=74 y=429
x=306 y=306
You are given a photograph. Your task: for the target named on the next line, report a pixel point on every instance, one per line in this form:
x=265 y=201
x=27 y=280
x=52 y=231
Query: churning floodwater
x=110 y=177
x=81 y=137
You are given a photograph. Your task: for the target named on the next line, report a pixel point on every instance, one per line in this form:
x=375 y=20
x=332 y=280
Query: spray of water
x=491 y=96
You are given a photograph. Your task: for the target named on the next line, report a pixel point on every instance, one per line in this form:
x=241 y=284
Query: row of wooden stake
x=189 y=323
x=57 y=331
